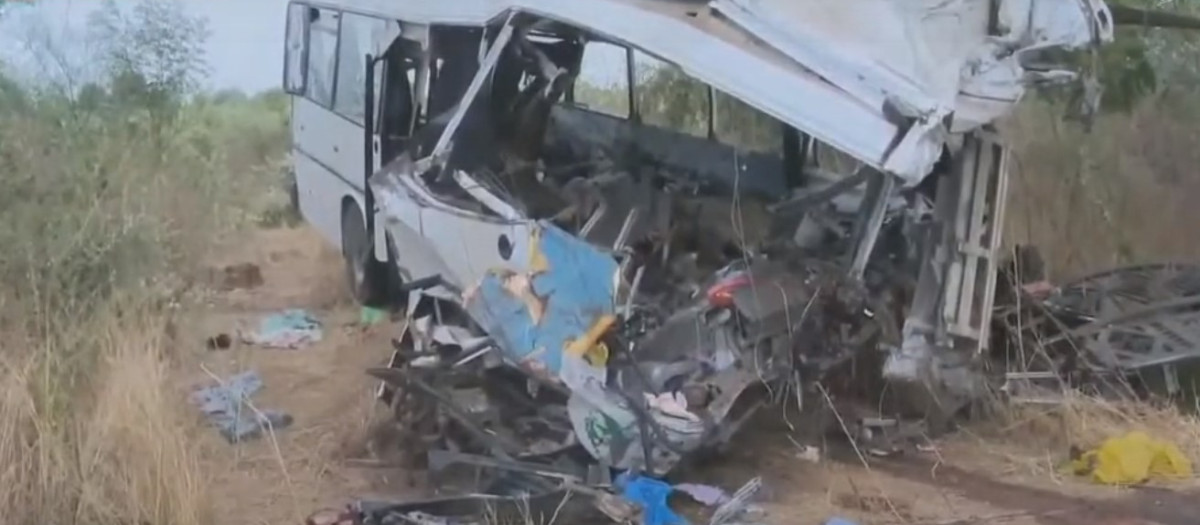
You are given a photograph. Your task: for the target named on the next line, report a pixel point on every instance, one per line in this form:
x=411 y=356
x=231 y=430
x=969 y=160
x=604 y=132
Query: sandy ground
x=283 y=478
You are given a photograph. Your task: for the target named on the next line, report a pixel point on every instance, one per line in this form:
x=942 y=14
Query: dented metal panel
x=927 y=59
x=550 y=305
x=911 y=52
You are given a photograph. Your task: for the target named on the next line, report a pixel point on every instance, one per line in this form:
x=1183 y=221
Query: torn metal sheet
x=552 y=306
x=1118 y=321
x=926 y=59
x=473 y=509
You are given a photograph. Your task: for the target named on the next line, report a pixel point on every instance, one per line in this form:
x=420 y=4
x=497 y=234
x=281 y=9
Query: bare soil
x=285 y=477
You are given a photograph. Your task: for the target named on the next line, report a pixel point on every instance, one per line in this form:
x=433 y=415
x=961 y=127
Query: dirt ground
x=284 y=477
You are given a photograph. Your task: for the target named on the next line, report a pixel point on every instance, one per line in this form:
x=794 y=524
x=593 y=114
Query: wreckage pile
x=650 y=291
x=1119 y=333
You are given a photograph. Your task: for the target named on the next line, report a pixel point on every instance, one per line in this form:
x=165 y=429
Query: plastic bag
x=1131 y=459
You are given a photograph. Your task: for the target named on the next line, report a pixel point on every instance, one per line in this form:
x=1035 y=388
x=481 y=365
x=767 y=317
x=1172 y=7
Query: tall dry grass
x=1123 y=193
x=100 y=226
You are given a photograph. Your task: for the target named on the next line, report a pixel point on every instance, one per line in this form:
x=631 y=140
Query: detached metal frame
x=951 y=310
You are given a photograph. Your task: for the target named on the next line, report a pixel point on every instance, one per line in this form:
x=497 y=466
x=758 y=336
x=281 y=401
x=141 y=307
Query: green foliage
x=89 y=206
x=1126 y=71
x=1143 y=61
x=153 y=54
x=227 y=96
x=668 y=97
x=102 y=189
x=610 y=99
x=12 y=97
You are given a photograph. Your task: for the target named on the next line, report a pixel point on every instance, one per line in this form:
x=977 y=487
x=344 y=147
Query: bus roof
x=877 y=79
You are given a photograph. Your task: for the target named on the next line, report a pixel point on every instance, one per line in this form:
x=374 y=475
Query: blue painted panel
x=574 y=288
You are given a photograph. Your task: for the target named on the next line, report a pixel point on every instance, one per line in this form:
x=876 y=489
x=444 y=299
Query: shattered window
x=603 y=81
x=297 y=31
x=358 y=36
x=322 y=49
x=833 y=160
x=738 y=124
x=666 y=97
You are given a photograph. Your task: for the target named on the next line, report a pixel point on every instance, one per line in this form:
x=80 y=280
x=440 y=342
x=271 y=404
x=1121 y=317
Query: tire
x=366 y=277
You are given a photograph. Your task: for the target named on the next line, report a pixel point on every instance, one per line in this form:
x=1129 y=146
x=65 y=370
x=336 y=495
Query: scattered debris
x=220 y=341
x=1132 y=459
x=503 y=506
x=288 y=329
x=240 y=276
x=368 y=316
x=874 y=504
x=704 y=494
x=333 y=517
x=650 y=495
x=1104 y=333
x=739 y=505
x=227 y=406
x=809 y=453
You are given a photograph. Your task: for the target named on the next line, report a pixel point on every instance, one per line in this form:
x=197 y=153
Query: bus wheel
x=365 y=276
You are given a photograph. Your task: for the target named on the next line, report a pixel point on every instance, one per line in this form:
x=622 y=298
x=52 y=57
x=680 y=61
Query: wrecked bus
x=621 y=227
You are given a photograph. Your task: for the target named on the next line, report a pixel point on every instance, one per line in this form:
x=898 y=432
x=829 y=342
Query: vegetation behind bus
x=110 y=192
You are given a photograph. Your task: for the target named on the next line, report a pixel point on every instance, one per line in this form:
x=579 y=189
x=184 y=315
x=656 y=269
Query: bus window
x=297 y=38
x=322 y=48
x=456 y=59
x=740 y=125
x=668 y=98
x=358 y=36
x=603 y=81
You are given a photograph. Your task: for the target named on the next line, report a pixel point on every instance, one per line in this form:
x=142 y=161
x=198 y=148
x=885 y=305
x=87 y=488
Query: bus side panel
x=328 y=153
x=321 y=195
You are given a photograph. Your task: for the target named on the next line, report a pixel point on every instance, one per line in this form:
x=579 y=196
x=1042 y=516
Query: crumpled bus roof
x=928 y=57
x=885 y=81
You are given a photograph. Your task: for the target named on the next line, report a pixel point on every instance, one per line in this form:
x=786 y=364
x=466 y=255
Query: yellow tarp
x=1131 y=459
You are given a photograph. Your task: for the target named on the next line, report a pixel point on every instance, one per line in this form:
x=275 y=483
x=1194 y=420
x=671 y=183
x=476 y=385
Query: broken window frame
x=808 y=150
x=392 y=132
x=327 y=101
x=627 y=79
x=433 y=164
x=295 y=62
x=505 y=211
x=366 y=29
x=721 y=99
x=657 y=63
x=298 y=16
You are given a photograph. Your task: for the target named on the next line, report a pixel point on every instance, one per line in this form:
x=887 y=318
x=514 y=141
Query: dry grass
x=1120 y=194
x=1034 y=441
x=122 y=454
x=100 y=227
